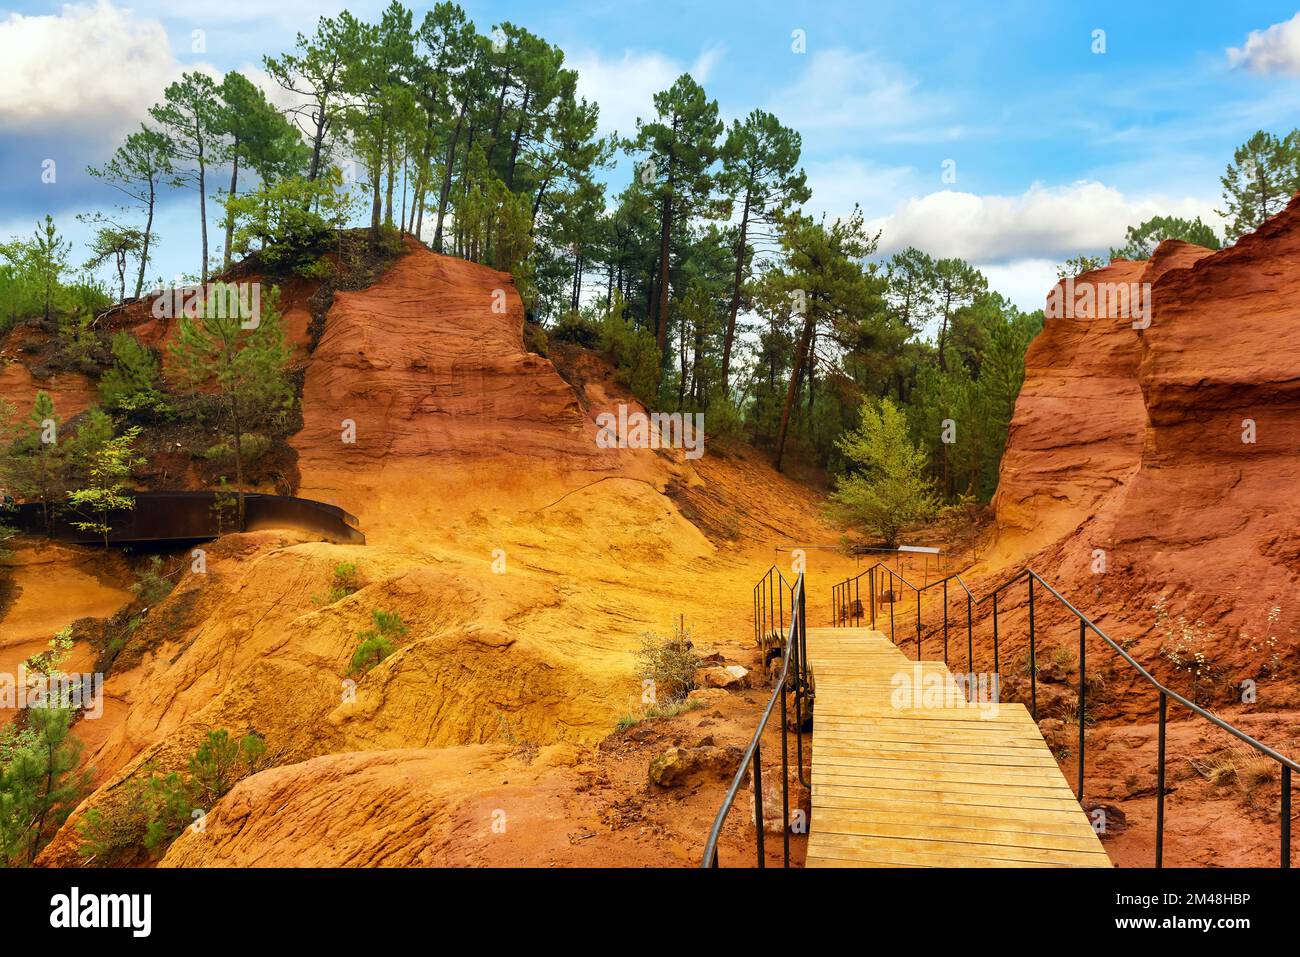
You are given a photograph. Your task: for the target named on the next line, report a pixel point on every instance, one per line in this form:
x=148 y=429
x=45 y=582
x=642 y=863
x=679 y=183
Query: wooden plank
x=938 y=812
x=956 y=853
x=1081 y=839
x=996 y=799
x=971 y=785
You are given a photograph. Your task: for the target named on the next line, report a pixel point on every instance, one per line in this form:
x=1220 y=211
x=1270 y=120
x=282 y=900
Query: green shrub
x=377 y=642
x=39 y=784
x=290 y=221
x=345 y=582
x=155 y=810
x=151 y=585
x=254 y=445
x=670 y=663
x=723 y=421
x=576 y=328
x=889 y=492
x=634 y=351
x=134 y=383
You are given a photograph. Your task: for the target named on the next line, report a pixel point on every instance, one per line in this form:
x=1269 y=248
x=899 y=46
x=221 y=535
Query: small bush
x=151 y=585
x=377 y=642
x=345 y=582
x=670 y=663
x=574 y=327
x=723 y=420
x=134 y=384
x=253 y=446
x=155 y=810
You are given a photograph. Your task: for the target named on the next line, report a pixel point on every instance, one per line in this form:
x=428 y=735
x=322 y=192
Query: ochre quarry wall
x=1127 y=448
x=525 y=561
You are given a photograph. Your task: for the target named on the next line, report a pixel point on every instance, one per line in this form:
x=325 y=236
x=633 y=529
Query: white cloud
x=842 y=90
x=840 y=182
x=1043 y=222
x=625 y=87
x=1026 y=282
x=93 y=69
x=1274 y=50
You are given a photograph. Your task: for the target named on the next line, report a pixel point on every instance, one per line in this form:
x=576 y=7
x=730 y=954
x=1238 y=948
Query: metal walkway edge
x=936 y=782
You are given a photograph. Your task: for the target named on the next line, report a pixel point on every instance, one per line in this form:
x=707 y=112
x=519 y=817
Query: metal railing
x=773 y=596
x=847 y=608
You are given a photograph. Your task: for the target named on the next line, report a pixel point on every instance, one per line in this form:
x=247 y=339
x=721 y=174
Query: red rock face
x=1131 y=440
x=450 y=411
x=1216 y=504
x=1076 y=437
x=425 y=366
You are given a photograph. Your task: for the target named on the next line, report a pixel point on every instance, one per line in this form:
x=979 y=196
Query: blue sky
x=1056 y=148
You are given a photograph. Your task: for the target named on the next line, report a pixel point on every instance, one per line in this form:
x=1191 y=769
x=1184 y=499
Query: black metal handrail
x=770 y=604
x=847 y=605
x=796 y=652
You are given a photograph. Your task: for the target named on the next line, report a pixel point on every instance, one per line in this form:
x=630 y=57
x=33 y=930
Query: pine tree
x=258 y=136
x=137 y=169
x=1140 y=241
x=190 y=117
x=1260 y=180
x=133 y=384
x=888 y=491
x=680 y=146
x=760 y=160
x=49 y=258
x=248 y=368
x=39 y=785
x=38 y=467
x=110 y=465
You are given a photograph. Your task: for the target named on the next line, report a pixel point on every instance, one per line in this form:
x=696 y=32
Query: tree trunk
x=496 y=123
x=230 y=216
x=514 y=146
x=661 y=312
x=239 y=458
x=144 y=252
x=792 y=390
x=730 y=334
x=392 y=173
x=537 y=203
x=203 y=211
x=943 y=338
x=376 y=204
x=446 y=180
x=681 y=355
x=317 y=142
x=405 y=173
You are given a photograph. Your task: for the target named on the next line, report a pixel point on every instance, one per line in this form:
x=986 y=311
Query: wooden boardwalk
x=934 y=785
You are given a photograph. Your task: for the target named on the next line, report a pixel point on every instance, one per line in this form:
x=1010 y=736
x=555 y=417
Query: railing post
x=757 y=769
x=891 y=607
x=771 y=603
x=803 y=632
x=1083 y=631
x=945 y=621
x=857 y=603
x=800 y=652
x=997 y=664
x=1033 y=657
x=785 y=777
x=918 y=624
x=1286 y=815
x=970 y=640
x=873 y=598
x=1160 y=783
